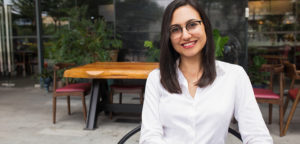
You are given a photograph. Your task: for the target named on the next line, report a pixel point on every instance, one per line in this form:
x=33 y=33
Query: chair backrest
x=274 y=59
x=57 y=67
x=291 y=71
x=274 y=69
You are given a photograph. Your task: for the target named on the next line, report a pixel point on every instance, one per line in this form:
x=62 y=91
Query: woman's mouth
x=189 y=44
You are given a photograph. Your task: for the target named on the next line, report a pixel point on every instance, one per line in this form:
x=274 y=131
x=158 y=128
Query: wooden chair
x=21 y=61
x=138 y=128
x=293 y=94
x=268 y=96
x=120 y=88
x=291 y=72
x=275 y=59
x=77 y=89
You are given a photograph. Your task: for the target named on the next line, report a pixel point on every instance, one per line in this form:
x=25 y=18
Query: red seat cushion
x=77 y=87
x=265 y=93
x=126 y=87
x=293 y=93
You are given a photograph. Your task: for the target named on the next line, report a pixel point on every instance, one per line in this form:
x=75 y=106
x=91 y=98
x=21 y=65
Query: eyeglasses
x=176 y=30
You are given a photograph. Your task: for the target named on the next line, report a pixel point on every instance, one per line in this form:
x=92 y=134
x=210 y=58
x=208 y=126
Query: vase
x=113 y=54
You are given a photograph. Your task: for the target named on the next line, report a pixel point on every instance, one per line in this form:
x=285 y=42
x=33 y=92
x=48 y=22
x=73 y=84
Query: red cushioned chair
x=121 y=88
x=77 y=89
x=293 y=94
x=268 y=96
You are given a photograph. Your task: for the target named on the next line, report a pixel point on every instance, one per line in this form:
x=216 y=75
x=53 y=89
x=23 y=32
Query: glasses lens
x=175 y=30
x=192 y=25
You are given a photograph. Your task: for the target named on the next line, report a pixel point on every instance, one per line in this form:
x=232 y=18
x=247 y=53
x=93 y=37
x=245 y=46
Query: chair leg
x=292 y=83
x=54 y=109
x=24 y=69
x=84 y=107
x=69 y=105
x=141 y=98
x=120 y=98
x=270 y=113
x=111 y=101
x=291 y=114
x=286 y=103
x=110 y=115
x=281 y=119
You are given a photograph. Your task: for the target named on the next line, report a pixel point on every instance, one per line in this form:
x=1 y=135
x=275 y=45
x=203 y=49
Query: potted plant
x=80 y=42
x=45 y=77
x=110 y=42
x=258 y=77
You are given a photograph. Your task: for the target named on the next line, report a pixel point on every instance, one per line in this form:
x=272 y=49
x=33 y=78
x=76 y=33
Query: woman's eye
x=191 y=25
x=175 y=30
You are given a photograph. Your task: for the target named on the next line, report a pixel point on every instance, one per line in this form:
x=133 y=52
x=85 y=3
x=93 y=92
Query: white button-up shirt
x=181 y=119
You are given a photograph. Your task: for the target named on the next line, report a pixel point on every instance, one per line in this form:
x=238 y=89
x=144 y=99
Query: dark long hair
x=168 y=55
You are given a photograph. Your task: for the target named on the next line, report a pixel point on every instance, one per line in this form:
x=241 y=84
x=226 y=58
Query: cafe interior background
x=253 y=28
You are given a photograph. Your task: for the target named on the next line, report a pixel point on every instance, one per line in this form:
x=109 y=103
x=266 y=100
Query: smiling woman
x=190 y=93
x=193 y=45
x=188 y=42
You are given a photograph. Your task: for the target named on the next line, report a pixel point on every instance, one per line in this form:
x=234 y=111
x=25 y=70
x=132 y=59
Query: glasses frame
x=186 y=26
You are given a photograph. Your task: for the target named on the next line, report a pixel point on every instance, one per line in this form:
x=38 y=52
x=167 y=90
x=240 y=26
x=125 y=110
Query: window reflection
x=273 y=28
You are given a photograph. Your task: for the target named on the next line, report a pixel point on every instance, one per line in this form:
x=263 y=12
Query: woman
x=191 y=98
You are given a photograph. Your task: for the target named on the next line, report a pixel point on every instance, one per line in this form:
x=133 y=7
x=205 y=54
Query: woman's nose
x=185 y=34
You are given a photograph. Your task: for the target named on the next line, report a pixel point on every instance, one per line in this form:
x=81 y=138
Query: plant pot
x=46 y=82
x=113 y=54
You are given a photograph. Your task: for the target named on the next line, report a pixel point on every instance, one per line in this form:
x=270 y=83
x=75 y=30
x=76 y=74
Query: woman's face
x=187 y=32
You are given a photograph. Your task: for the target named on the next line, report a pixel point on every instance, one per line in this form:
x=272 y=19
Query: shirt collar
x=219 y=70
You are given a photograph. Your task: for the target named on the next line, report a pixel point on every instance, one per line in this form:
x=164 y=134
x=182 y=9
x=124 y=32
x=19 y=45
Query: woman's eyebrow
x=174 y=25
x=190 y=20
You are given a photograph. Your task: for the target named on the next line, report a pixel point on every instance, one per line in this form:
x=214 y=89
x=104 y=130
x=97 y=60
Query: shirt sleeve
x=250 y=121
x=151 y=131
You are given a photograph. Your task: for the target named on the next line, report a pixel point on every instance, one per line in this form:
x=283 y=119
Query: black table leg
x=100 y=92
x=94 y=100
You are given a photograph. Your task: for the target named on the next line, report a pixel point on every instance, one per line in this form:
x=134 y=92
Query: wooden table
x=23 y=59
x=99 y=72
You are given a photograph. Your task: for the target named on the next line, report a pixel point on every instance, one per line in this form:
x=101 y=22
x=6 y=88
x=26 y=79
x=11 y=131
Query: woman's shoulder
x=155 y=74
x=225 y=67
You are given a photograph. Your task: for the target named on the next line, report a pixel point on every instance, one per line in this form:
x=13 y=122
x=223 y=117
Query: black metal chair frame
x=138 y=128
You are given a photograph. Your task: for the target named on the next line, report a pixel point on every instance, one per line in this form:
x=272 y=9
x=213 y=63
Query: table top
x=112 y=70
x=24 y=52
x=275 y=57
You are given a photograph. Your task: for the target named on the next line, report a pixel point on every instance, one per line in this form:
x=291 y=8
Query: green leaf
x=153 y=52
x=148 y=44
x=220 y=42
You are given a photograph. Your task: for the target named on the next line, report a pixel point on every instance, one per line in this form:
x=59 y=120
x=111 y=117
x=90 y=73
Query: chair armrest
x=59 y=66
x=298 y=74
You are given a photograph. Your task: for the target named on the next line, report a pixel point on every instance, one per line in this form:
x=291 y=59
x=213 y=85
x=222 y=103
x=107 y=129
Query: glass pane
x=272 y=32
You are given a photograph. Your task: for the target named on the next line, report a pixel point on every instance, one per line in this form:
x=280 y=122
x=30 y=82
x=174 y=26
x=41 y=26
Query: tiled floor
x=26 y=117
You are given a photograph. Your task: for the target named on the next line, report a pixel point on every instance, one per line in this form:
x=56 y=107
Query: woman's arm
x=251 y=124
x=151 y=131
